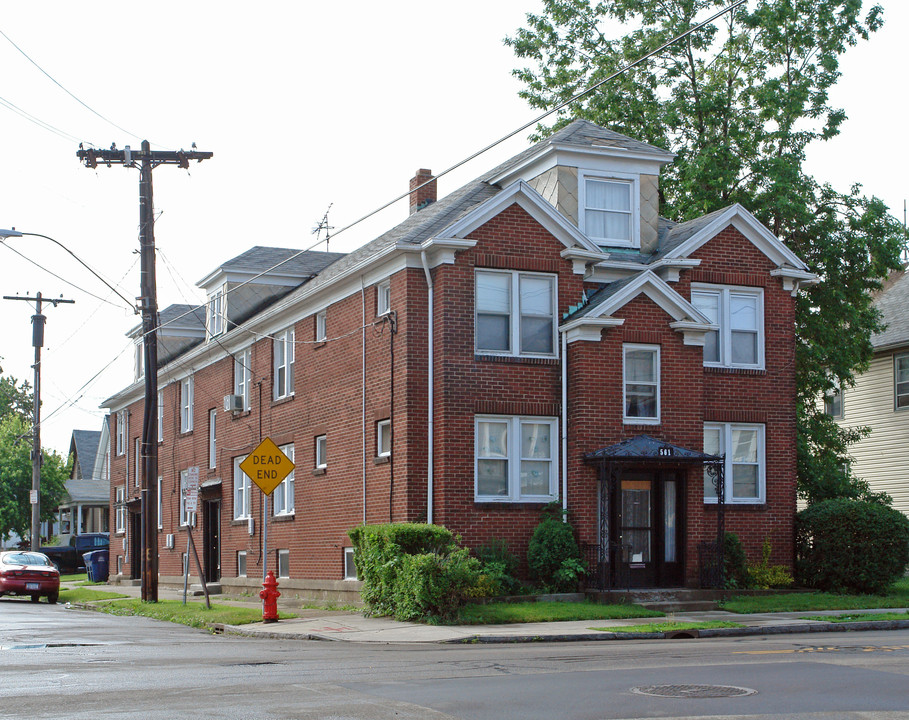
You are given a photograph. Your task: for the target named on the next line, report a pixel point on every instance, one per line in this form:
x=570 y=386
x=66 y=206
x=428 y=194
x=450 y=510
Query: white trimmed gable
x=687 y=319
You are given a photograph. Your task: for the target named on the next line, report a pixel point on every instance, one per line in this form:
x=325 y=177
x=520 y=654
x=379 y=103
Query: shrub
x=497 y=567
x=432 y=586
x=764 y=575
x=412 y=570
x=845 y=545
x=551 y=544
x=735 y=566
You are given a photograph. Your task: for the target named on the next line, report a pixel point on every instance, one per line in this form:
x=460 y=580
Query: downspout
x=363 y=418
x=564 y=424
x=430 y=381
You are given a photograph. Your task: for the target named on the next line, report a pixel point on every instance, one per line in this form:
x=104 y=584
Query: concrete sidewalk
x=350 y=626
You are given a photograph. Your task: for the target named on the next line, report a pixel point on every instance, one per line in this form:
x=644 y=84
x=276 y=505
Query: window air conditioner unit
x=233 y=403
x=169 y=541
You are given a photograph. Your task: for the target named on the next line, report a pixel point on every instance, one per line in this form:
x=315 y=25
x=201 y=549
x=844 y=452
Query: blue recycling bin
x=96 y=565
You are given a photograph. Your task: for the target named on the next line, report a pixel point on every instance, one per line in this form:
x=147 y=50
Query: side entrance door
x=135 y=545
x=646 y=529
x=211 y=540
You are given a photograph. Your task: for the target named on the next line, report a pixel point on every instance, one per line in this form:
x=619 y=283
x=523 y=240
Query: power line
x=48 y=76
x=37 y=121
x=510 y=135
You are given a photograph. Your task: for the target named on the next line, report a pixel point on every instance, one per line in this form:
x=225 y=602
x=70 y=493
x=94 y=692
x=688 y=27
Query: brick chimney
x=426 y=195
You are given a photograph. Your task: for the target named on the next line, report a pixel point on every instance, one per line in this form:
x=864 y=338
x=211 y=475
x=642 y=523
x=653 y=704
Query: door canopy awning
x=646 y=448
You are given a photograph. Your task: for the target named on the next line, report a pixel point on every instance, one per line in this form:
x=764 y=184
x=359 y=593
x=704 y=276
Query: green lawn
x=669 y=626
x=858 y=617
x=897 y=597
x=74 y=578
x=525 y=612
x=194 y=614
x=86 y=595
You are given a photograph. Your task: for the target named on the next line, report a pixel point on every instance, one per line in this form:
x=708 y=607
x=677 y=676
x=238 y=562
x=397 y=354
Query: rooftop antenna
x=323 y=225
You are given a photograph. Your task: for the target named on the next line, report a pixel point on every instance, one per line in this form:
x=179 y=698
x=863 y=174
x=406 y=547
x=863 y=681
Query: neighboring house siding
x=882 y=458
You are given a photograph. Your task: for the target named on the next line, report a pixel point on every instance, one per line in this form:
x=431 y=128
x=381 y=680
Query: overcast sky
x=303 y=105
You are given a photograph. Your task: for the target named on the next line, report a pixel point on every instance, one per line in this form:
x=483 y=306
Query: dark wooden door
x=211 y=524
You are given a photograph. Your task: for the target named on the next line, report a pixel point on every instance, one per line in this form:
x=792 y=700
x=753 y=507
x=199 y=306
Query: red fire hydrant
x=269 y=593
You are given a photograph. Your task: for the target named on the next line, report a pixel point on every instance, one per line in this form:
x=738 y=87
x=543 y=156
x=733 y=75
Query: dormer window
x=216 y=320
x=609 y=210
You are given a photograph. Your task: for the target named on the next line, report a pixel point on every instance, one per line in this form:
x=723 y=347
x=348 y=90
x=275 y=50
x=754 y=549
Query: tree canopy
x=16 y=464
x=738 y=102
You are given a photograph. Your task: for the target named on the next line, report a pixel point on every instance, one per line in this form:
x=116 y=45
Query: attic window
x=216 y=312
x=608 y=210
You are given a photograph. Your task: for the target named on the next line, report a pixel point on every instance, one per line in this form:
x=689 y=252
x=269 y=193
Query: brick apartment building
x=540 y=334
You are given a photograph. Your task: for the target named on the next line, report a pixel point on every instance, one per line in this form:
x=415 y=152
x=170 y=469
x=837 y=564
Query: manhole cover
x=693 y=691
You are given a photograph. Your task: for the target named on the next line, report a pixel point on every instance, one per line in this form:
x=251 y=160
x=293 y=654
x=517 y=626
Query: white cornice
x=587 y=328
x=794 y=279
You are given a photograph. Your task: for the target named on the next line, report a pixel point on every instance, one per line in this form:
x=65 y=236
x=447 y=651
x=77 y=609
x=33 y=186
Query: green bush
x=856 y=546
x=764 y=575
x=735 y=565
x=433 y=587
x=412 y=570
x=551 y=544
x=497 y=567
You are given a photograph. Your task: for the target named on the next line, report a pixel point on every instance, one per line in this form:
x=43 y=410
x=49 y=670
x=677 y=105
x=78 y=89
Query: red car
x=23 y=572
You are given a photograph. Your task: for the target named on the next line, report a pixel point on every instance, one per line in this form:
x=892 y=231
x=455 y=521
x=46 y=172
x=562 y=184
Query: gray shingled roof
x=600 y=296
x=88 y=490
x=85 y=444
x=678 y=234
x=190 y=315
x=260 y=259
x=893 y=303
x=646 y=447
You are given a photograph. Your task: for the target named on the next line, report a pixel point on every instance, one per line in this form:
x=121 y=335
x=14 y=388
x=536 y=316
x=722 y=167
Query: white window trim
x=287 y=339
x=515 y=314
x=212 y=439
x=160 y=416
x=725 y=326
x=187 y=404
x=120 y=504
x=514 y=458
x=321 y=326
x=241 y=553
x=634 y=184
x=242 y=375
x=726 y=443
x=349 y=553
x=896 y=360
x=383 y=298
x=383 y=428
x=284 y=490
x=832 y=395
x=216 y=321
x=632 y=420
x=137 y=444
x=283 y=553
x=160 y=504
x=242 y=482
x=321 y=455
x=139 y=359
x=121 y=432
x=186 y=518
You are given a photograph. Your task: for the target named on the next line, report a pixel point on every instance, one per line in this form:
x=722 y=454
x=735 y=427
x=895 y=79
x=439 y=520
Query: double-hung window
x=160 y=504
x=186 y=404
x=743 y=446
x=242 y=375
x=608 y=210
x=641 y=386
x=284 y=364
x=515 y=313
x=120 y=503
x=321 y=451
x=383 y=297
x=738 y=313
x=160 y=416
x=242 y=489
x=283 y=496
x=139 y=360
x=217 y=312
x=900 y=382
x=137 y=444
x=322 y=326
x=516 y=458
x=833 y=401
x=212 y=439
x=121 y=432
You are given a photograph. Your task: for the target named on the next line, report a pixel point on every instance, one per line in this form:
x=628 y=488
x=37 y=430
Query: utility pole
x=38 y=342
x=147 y=160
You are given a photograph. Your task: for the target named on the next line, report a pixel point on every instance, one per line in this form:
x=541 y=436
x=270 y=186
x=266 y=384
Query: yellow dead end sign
x=267 y=466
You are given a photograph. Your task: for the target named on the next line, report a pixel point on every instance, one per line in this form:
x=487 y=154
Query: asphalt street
x=68 y=663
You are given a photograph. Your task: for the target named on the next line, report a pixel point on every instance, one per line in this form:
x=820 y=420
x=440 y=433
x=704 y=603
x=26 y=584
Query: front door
x=646 y=529
x=211 y=540
x=135 y=545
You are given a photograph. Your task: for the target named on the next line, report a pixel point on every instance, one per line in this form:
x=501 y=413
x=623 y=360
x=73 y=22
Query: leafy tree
x=15 y=397
x=16 y=473
x=738 y=102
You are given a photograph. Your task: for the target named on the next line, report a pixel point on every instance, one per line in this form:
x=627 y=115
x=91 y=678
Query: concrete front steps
x=667 y=600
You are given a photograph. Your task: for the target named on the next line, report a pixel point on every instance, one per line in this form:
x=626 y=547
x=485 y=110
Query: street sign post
x=267 y=467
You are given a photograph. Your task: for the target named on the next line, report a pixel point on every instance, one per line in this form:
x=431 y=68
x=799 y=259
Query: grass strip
x=81 y=594
x=669 y=626
x=896 y=597
x=74 y=578
x=528 y=612
x=858 y=617
x=194 y=614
